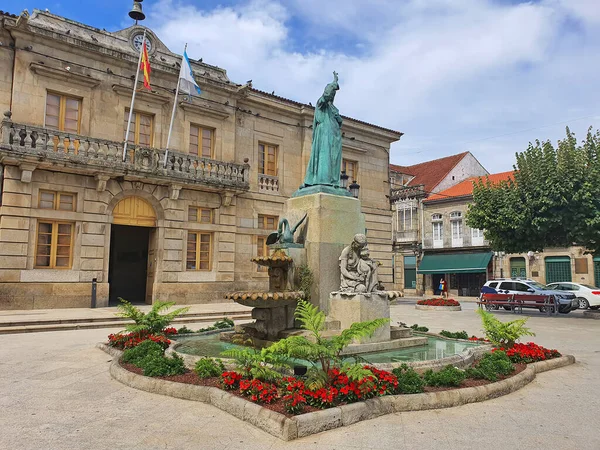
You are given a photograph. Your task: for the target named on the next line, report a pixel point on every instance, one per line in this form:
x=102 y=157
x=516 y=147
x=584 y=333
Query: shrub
x=409 y=381
x=184 y=330
x=418 y=328
x=152 y=322
x=491 y=366
x=162 y=366
x=146 y=348
x=454 y=335
x=503 y=334
x=448 y=376
x=209 y=367
x=438 y=302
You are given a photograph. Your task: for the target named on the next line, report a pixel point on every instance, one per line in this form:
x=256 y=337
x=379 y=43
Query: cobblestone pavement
x=56 y=393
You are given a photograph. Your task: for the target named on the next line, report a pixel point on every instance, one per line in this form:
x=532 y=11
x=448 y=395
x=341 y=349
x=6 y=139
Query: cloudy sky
x=486 y=76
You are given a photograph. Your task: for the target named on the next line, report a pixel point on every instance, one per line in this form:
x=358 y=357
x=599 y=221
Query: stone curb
x=437 y=308
x=307 y=424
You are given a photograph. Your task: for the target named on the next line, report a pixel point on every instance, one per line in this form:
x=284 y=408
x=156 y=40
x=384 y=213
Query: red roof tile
x=430 y=173
x=465 y=188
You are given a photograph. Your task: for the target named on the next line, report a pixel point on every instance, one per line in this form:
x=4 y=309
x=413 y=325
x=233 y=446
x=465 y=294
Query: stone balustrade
x=29 y=143
x=268 y=183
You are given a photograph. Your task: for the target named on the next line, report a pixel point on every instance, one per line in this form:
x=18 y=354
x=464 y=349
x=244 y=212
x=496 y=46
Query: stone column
x=331 y=224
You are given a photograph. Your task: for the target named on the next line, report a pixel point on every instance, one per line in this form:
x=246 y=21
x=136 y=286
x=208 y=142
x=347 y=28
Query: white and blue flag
x=186 y=77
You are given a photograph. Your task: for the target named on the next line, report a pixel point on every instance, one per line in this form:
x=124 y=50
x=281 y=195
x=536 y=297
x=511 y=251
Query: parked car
x=587 y=296
x=566 y=300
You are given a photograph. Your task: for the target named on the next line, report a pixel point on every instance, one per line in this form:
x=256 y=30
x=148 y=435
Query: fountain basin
x=265 y=299
x=437 y=350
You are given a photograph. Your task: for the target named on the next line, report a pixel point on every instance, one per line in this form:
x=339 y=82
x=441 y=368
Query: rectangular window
x=265 y=222
x=437 y=231
x=141 y=128
x=63 y=112
x=54 y=245
x=201 y=141
x=199 y=251
x=200 y=215
x=351 y=168
x=410 y=272
x=268 y=222
x=267 y=159
x=456 y=229
x=60 y=201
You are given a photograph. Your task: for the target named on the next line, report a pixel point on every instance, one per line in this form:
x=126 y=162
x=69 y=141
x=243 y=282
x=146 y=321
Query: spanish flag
x=145 y=66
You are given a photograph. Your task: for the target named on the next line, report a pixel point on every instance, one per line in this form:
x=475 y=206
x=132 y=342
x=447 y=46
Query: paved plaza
x=56 y=393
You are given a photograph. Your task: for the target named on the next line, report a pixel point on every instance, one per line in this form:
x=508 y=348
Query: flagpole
x=174 y=109
x=137 y=75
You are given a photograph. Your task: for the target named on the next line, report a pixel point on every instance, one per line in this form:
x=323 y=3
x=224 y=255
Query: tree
x=553 y=201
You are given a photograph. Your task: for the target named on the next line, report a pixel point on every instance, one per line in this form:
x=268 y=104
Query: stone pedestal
x=351 y=308
x=331 y=224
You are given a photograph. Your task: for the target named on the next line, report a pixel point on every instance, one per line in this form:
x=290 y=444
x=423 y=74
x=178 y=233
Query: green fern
x=152 y=322
x=261 y=365
x=323 y=353
x=503 y=334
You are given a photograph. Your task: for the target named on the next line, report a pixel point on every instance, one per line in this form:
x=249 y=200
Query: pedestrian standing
x=443 y=288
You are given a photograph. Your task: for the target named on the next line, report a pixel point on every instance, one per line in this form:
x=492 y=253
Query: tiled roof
x=430 y=173
x=294 y=102
x=5 y=13
x=465 y=188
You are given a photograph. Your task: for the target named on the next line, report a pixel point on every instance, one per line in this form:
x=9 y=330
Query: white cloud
x=451 y=75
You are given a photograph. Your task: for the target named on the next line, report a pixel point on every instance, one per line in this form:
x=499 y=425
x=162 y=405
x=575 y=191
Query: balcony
x=406 y=237
x=268 y=184
x=45 y=148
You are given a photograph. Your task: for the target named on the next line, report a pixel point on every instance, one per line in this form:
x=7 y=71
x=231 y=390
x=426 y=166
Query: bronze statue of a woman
x=326 y=151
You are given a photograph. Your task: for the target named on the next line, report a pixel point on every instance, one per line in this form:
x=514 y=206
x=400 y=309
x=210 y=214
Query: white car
x=588 y=296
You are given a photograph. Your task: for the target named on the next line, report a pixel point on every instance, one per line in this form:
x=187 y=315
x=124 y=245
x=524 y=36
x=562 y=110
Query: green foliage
x=145 y=348
x=320 y=351
x=491 y=366
x=305 y=280
x=409 y=381
x=218 y=325
x=259 y=364
x=454 y=335
x=418 y=328
x=503 y=334
x=554 y=200
x=149 y=356
x=184 y=330
x=162 y=366
x=448 y=376
x=209 y=367
x=153 y=321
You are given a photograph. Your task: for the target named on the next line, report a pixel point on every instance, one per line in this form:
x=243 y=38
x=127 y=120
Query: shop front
x=465 y=272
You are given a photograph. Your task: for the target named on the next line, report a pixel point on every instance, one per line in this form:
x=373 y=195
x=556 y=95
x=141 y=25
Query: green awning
x=455 y=263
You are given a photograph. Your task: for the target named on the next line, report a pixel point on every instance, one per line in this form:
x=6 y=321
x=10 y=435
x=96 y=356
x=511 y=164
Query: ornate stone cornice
x=206 y=109
x=151 y=97
x=64 y=75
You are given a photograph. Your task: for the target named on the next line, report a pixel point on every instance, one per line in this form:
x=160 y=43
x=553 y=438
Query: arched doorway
x=132 y=251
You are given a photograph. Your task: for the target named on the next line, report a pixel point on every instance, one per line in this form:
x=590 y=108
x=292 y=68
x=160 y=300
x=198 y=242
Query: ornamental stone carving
x=358 y=270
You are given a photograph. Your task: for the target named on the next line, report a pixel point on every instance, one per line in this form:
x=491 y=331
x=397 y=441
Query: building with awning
x=455 y=263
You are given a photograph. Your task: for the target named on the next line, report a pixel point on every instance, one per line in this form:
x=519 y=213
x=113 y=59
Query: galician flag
x=145 y=66
x=186 y=76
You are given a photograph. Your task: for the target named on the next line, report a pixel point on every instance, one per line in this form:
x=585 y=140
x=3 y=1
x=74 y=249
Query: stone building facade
x=78 y=211
x=411 y=185
x=464 y=258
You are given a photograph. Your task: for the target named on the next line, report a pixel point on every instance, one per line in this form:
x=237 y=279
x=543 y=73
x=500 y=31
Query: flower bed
x=123 y=341
x=438 y=302
x=290 y=396
x=528 y=353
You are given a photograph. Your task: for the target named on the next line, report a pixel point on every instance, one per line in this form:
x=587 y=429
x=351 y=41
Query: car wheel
x=583 y=303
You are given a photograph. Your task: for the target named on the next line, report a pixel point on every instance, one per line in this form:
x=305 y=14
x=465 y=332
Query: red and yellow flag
x=145 y=66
